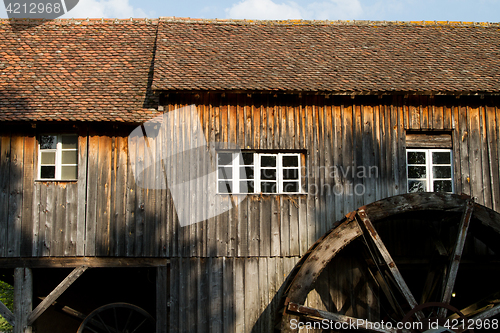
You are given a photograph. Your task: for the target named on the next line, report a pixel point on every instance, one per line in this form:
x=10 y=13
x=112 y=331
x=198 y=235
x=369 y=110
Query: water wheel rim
x=359 y=223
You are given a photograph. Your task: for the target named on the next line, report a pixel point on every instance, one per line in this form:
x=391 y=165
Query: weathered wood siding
x=106 y=214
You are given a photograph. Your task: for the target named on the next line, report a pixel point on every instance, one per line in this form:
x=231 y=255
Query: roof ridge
x=175 y=19
x=66 y=21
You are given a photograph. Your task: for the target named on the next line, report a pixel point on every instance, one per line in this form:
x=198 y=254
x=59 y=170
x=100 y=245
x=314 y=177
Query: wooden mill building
x=324 y=118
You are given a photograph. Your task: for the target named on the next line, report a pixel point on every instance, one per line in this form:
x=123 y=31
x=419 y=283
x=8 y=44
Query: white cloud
x=106 y=9
x=269 y=10
x=335 y=10
x=264 y=10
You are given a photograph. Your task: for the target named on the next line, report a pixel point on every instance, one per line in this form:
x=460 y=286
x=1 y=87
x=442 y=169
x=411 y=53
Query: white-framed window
x=58 y=157
x=252 y=172
x=429 y=170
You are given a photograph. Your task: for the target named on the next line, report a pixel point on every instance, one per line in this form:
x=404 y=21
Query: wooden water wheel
x=425 y=258
x=118 y=318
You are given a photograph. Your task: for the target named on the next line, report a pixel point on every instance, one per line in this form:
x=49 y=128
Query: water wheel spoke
x=138 y=326
x=351 y=322
x=456 y=255
x=103 y=323
x=131 y=312
x=396 y=274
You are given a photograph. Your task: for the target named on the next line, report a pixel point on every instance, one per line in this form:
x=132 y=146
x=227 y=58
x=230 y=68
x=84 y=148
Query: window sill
x=56 y=180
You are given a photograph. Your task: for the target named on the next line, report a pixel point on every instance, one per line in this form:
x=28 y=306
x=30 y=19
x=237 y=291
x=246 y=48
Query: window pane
x=225 y=158
x=247 y=158
x=268 y=174
x=246 y=173
x=48 y=142
x=69 y=141
x=268 y=161
x=416 y=172
x=441 y=158
x=224 y=187
x=291 y=174
x=290 y=161
x=442 y=186
x=441 y=172
x=290 y=186
x=69 y=157
x=246 y=187
x=416 y=157
x=268 y=187
x=48 y=172
x=225 y=173
x=416 y=186
x=69 y=172
x=48 y=157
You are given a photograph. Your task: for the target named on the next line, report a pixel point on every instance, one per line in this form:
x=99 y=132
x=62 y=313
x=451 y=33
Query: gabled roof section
x=76 y=70
x=327 y=56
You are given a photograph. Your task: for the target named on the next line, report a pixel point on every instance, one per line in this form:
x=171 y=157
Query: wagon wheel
x=406 y=251
x=118 y=318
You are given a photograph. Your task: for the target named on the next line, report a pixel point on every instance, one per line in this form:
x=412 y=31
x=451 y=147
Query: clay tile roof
x=77 y=70
x=331 y=56
x=107 y=70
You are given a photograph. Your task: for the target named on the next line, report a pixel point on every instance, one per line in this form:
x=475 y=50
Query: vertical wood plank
x=253 y=225
x=464 y=136
x=424 y=107
x=493 y=158
x=4 y=190
x=275 y=217
x=239 y=294
x=252 y=288
x=82 y=190
x=264 y=315
x=119 y=214
x=27 y=195
x=475 y=156
x=104 y=196
x=457 y=147
x=70 y=237
x=485 y=165
x=130 y=198
x=203 y=300
x=15 y=205
x=92 y=192
x=174 y=295
x=216 y=314
x=414 y=112
x=265 y=225
x=228 y=296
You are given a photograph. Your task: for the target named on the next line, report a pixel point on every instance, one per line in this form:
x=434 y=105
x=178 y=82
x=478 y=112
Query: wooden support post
x=23 y=294
x=52 y=297
x=161 y=299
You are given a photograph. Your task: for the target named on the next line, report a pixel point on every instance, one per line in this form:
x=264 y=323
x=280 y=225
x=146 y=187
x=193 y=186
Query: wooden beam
x=7 y=314
x=403 y=287
x=52 y=297
x=23 y=294
x=428 y=140
x=456 y=256
x=488 y=313
x=72 y=262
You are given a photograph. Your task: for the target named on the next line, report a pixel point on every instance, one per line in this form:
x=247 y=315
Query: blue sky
x=388 y=10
